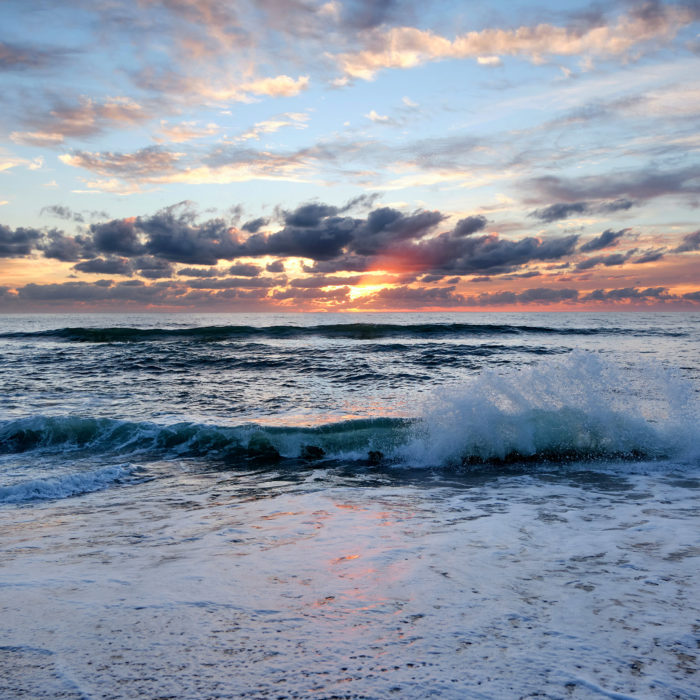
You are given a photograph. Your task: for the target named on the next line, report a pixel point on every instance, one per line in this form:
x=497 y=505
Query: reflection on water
x=328 y=582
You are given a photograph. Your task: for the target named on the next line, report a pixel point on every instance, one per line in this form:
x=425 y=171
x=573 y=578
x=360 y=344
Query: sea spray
x=579 y=407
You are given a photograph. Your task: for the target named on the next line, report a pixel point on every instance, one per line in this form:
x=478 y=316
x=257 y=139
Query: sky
x=349 y=155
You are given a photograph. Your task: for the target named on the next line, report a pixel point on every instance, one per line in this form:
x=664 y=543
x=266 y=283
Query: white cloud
x=377 y=118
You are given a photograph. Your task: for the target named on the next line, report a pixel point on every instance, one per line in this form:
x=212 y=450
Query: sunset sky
x=349 y=155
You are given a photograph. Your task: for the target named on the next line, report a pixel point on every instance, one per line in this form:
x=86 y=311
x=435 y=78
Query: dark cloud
x=627 y=293
x=323 y=240
x=309 y=215
x=523 y=275
x=605 y=240
x=563 y=210
x=607 y=260
x=537 y=295
x=343 y=263
x=386 y=227
x=199 y=272
x=470 y=225
x=18 y=242
x=67 y=248
x=254 y=225
x=173 y=234
x=478 y=254
x=556 y=212
x=692 y=296
x=690 y=242
x=118 y=236
x=61 y=212
x=152 y=267
x=244 y=270
x=651 y=256
x=616 y=205
x=106 y=266
x=275 y=266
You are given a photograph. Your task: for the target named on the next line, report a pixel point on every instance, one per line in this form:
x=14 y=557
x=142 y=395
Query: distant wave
x=352 y=331
x=576 y=408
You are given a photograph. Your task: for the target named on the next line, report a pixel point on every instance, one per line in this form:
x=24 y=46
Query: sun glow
x=363 y=290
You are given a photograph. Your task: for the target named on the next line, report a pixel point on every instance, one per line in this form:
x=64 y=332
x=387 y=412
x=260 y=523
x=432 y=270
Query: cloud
x=607 y=260
x=58 y=246
x=605 y=240
x=379 y=118
x=144 y=163
x=118 y=236
x=152 y=267
x=651 y=256
x=564 y=210
x=81 y=118
x=18 y=57
x=37 y=138
x=254 y=225
x=635 y=185
x=62 y=212
x=628 y=293
x=158 y=165
x=490 y=254
x=244 y=270
x=321 y=281
x=235 y=282
x=185 y=131
x=556 y=212
x=406 y=47
x=298 y=120
x=412 y=297
x=275 y=266
x=690 y=242
x=173 y=234
x=106 y=266
x=18 y=242
x=469 y=225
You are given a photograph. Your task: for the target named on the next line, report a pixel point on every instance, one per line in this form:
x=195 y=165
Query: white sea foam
x=65 y=485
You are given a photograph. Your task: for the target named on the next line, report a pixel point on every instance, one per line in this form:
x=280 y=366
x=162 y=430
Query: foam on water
x=65 y=485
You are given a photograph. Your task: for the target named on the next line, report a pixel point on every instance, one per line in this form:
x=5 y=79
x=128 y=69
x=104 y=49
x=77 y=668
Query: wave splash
x=576 y=408
x=580 y=407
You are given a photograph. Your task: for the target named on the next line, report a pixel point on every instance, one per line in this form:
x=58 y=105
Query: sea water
x=376 y=505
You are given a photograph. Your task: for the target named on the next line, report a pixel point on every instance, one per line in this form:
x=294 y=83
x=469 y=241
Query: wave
x=351 y=331
x=577 y=408
x=65 y=485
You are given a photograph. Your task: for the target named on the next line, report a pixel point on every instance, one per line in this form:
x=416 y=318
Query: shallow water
x=529 y=530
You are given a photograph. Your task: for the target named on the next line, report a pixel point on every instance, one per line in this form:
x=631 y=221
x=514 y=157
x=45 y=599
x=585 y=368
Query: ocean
x=448 y=505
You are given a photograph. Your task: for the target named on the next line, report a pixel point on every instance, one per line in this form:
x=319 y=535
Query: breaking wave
x=578 y=408
x=64 y=485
